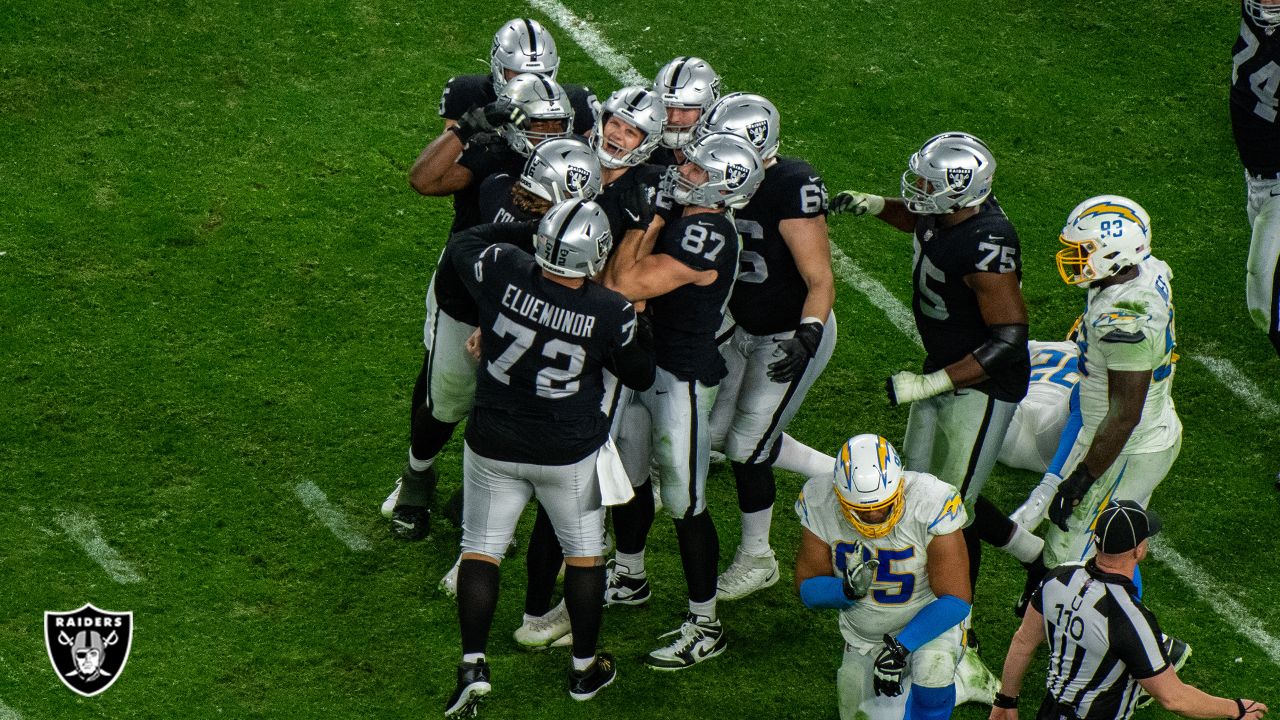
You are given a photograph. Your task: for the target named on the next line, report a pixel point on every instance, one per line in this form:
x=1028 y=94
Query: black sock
x=700 y=555
x=994 y=527
x=631 y=522
x=757 y=488
x=477 y=601
x=542 y=562
x=973 y=543
x=420 y=387
x=429 y=434
x=584 y=598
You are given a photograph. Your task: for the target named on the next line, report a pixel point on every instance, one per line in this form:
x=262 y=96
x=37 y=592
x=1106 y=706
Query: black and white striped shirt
x=1101 y=641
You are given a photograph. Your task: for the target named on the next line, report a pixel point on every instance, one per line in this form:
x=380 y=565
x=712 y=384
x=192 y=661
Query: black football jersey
x=483 y=157
x=1255 y=105
x=769 y=295
x=946 y=308
x=540 y=384
x=496 y=204
x=464 y=92
x=663 y=157
x=610 y=199
x=685 y=320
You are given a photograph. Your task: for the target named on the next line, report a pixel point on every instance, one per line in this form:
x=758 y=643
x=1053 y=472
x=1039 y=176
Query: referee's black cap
x=1123 y=525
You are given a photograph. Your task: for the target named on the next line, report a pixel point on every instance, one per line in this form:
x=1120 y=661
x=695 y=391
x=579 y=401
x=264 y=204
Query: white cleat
x=974 y=681
x=746 y=575
x=550 y=630
x=449 y=583
x=389 y=505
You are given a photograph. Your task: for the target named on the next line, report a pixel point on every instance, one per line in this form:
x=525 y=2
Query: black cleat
x=410 y=522
x=584 y=685
x=473 y=685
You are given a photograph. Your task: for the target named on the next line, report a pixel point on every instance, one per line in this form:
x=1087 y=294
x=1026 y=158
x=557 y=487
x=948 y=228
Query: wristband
x=1005 y=701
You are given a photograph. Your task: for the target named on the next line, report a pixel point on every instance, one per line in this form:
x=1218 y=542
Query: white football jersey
x=1130 y=326
x=1037 y=424
x=901 y=585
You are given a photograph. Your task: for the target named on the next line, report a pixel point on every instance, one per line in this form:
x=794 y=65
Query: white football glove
x=856 y=203
x=1036 y=508
x=908 y=387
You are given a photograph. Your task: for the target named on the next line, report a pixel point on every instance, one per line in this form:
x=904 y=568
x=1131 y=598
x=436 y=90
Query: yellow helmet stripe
x=1121 y=210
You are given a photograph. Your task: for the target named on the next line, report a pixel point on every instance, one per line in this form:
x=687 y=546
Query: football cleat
x=449 y=583
x=1177 y=652
x=974 y=681
x=697 y=639
x=473 y=685
x=411 y=519
x=411 y=522
x=390 y=503
x=623 y=589
x=747 y=574
x=585 y=684
x=550 y=630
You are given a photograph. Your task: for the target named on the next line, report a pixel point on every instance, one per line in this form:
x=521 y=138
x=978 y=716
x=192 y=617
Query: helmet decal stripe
x=675 y=73
x=1121 y=210
x=567 y=222
x=533 y=38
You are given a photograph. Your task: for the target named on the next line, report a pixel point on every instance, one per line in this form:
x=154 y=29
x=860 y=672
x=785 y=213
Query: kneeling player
x=886 y=548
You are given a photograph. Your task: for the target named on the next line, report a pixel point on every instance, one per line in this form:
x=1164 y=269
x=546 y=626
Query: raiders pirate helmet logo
x=757 y=132
x=88 y=647
x=959 y=178
x=735 y=175
x=576 y=179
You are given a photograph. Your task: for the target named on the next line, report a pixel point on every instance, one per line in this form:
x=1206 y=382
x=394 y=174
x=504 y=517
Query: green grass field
x=211 y=289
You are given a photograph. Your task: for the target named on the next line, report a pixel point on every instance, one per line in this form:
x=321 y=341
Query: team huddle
x=634 y=289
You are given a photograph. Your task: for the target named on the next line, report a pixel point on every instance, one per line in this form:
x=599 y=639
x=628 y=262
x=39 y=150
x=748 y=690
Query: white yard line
x=84 y=531
x=331 y=517
x=1212 y=594
x=8 y=713
x=1244 y=388
x=901 y=317
x=590 y=39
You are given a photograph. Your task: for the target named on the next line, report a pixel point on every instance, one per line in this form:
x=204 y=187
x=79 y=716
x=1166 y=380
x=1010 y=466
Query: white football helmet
x=638 y=107
x=573 y=239
x=1103 y=235
x=1265 y=14
x=868 y=479
x=686 y=83
x=949 y=172
x=522 y=46
x=560 y=169
x=747 y=115
x=542 y=99
x=734 y=172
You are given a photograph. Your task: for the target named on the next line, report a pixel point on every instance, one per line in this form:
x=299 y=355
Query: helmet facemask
x=733 y=173
x=1103 y=236
x=685 y=83
x=869 y=480
x=949 y=172
x=1266 y=15
x=545 y=104
x=630 y=111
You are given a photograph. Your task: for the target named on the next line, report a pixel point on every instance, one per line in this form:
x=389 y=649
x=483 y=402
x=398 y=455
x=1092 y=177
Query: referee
x=1103 y=643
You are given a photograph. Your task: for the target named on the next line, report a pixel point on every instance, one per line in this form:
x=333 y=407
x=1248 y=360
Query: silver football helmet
x=1265 y=14
x=638 y=107
x=543 y=100
x=560 y=169
x=573 y=239
x=522 y=46
x=949 y=172
x=747 y=115
x=685 y=83
x=734 y=172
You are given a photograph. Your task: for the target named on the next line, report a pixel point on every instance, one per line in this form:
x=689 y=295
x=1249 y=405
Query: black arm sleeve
x=633 y=363
x=1007 y=344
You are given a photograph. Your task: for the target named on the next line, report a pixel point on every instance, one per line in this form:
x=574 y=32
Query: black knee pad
x=757 y=489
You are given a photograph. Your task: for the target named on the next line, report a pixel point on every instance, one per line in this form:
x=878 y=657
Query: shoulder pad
x=1123 y=336
x=1126 y=315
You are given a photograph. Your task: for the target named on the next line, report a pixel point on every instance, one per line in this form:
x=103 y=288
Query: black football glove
x=858 y=574
x=636 y=207
x=796 y=352
x=1069 y=495
x=891 y=665
x=489 y=118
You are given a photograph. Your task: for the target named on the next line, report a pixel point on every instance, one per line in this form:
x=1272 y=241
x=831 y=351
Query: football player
x=1131 y=433
x=783 y=329
x=537 y=425
x=1037 y=425
x=971 y=317
x=885 y=547
x=686 y=281
x=1255 y=106
x=687 y=87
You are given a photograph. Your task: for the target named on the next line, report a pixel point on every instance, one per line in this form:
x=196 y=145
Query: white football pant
x=451 y=374
x=1264 y=252
x=931 y=665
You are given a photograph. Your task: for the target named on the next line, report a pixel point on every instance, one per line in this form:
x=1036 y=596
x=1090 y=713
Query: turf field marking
x=331 y=517
x=1228 y=374
x=900 y=315
x=8 y=713
x=84 y=531
x=1209 y=591
x=589 y=39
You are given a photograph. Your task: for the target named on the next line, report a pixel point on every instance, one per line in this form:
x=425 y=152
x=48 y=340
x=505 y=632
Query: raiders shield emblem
x=757 y=132
x=735 y=175
x=88 y=647
x=959 y=178
x=575 y=179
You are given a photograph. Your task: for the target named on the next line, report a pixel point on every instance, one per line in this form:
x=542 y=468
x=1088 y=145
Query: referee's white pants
x=1261 y=291
x=751 y=411
x=495 y=493
x=1131 y=477
x=932 y=665
x=451 y=371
